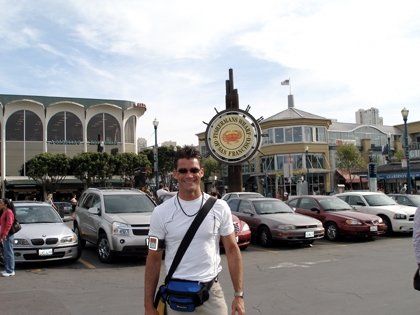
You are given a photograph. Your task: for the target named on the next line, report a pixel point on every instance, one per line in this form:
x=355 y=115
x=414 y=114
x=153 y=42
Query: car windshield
x=134 y=203
x=334 y=204
x=271 y=206
x=37 y=214
x=379 y=200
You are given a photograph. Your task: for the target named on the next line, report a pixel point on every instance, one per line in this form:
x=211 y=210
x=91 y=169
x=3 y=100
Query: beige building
x=298 y=153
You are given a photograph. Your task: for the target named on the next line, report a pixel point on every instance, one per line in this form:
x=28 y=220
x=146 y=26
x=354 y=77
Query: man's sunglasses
x=194 y=170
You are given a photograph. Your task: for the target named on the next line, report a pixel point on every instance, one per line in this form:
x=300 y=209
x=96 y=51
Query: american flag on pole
x=285 y=82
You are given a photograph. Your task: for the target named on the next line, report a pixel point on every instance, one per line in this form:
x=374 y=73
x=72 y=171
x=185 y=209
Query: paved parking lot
x=340 y=278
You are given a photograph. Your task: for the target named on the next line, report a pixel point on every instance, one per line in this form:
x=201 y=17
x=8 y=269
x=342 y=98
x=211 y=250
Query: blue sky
x=174 y=56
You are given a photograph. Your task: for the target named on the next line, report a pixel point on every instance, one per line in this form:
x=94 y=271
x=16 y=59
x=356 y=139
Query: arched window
x=101 y=124
x=24 y=125
x=65 y=126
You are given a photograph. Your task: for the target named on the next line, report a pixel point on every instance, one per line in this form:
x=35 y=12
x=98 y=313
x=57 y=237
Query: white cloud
x=174 y=56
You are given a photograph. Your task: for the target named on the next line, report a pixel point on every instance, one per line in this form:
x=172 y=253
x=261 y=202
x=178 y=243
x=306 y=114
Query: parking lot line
x=86 y=264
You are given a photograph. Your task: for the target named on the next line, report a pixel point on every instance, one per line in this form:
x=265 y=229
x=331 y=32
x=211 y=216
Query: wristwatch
x=239 y=294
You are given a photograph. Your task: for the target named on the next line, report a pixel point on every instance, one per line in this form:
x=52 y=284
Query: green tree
x=350 y=160
x=166 y=161
x=211 y=166
x=48 y=170
x=399 y=155
x=93 y=168
x=127 y=163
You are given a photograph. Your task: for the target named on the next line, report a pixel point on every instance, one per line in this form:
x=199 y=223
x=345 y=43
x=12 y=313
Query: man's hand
x=238 y=306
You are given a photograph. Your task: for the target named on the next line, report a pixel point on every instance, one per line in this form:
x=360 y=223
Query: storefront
x=392 y=177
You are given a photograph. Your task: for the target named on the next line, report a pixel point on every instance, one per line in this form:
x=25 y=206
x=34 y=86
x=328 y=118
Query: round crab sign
x=233 y=136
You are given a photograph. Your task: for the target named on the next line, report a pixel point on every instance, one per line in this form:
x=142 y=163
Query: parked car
x=406 y=199
x=242 y=232
x=116 y=221
x=64 y=208
x=243 y=194
x=397 y=218
x=44 y=235
x=338 y=217
x=271 y=219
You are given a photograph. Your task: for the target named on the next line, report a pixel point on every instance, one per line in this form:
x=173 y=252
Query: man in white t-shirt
x=201 y=261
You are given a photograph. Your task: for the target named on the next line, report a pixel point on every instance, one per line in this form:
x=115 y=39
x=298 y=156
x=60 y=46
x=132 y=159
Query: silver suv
x=115 y=220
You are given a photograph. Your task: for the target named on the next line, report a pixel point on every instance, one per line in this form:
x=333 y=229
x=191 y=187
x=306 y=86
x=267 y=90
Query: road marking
x=306 y=264
x=86 y=264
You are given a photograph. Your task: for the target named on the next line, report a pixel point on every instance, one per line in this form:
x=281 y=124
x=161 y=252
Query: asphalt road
x=341 y=278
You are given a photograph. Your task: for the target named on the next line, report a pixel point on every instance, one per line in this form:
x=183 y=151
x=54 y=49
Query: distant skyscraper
x=369 y=117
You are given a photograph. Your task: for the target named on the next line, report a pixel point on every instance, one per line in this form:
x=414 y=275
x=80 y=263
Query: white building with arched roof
x=31 y=125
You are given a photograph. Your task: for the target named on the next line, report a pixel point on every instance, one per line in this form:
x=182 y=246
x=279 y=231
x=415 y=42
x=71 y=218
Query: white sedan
x=398 y=218
x=44 y=236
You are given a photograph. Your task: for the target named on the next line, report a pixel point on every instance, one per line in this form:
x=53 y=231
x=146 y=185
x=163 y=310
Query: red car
x=338 y=217
x=242 y=233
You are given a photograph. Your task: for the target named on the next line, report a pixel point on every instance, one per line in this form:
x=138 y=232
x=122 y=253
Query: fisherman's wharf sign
x=233 y=136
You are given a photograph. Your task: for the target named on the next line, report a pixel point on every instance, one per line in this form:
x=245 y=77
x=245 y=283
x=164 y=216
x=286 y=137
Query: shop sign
x=233 y=136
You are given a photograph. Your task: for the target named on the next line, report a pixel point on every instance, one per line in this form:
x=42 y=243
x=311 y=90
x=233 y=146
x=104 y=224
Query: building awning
x=354 y=178
x=25 y=181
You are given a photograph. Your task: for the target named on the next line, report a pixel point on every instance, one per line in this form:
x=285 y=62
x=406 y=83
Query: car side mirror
x=94 y=210
x=315 y=210
x=359 y=203
x=248 y=211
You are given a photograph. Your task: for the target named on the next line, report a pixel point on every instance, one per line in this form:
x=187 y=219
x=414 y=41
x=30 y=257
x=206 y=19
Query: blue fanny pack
x=184 y=295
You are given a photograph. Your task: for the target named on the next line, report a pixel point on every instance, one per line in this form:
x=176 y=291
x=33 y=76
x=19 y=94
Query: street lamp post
x=155 y=155
x=404 y=113
x=389 y=147
x=307 y=167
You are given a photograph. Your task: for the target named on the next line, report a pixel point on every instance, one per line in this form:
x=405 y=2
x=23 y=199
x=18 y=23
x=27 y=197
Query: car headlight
x=21 y=242
x=69 y=239
x=120 y=229
x=286 y=227
x=353 y=222
x=245 y=227
x=400 y=216
x=380 y=220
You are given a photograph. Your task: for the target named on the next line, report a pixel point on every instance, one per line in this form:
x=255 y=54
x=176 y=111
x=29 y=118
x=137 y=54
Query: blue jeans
x=8 y=254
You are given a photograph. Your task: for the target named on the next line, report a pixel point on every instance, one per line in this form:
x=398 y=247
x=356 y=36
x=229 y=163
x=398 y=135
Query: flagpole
x=290 y=87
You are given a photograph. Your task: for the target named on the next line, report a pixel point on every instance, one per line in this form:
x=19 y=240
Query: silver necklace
x=190 y=215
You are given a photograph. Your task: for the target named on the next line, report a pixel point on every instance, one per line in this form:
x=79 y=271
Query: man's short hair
x=187 y=152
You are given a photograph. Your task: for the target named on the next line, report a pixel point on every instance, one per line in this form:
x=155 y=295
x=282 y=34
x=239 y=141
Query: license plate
x=309 y=234
x=45 y=252
x=374 y=228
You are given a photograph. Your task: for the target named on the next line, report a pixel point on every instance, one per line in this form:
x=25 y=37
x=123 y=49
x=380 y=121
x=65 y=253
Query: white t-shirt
x=201 y=261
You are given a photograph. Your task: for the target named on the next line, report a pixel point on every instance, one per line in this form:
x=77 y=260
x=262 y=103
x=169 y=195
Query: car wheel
x=104 y=249
x=331 y=231
x=388 y=224
x=264 y=237
x=82 y=242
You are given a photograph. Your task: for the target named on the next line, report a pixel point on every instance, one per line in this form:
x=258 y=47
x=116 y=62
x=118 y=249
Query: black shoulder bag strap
x=189 y=236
